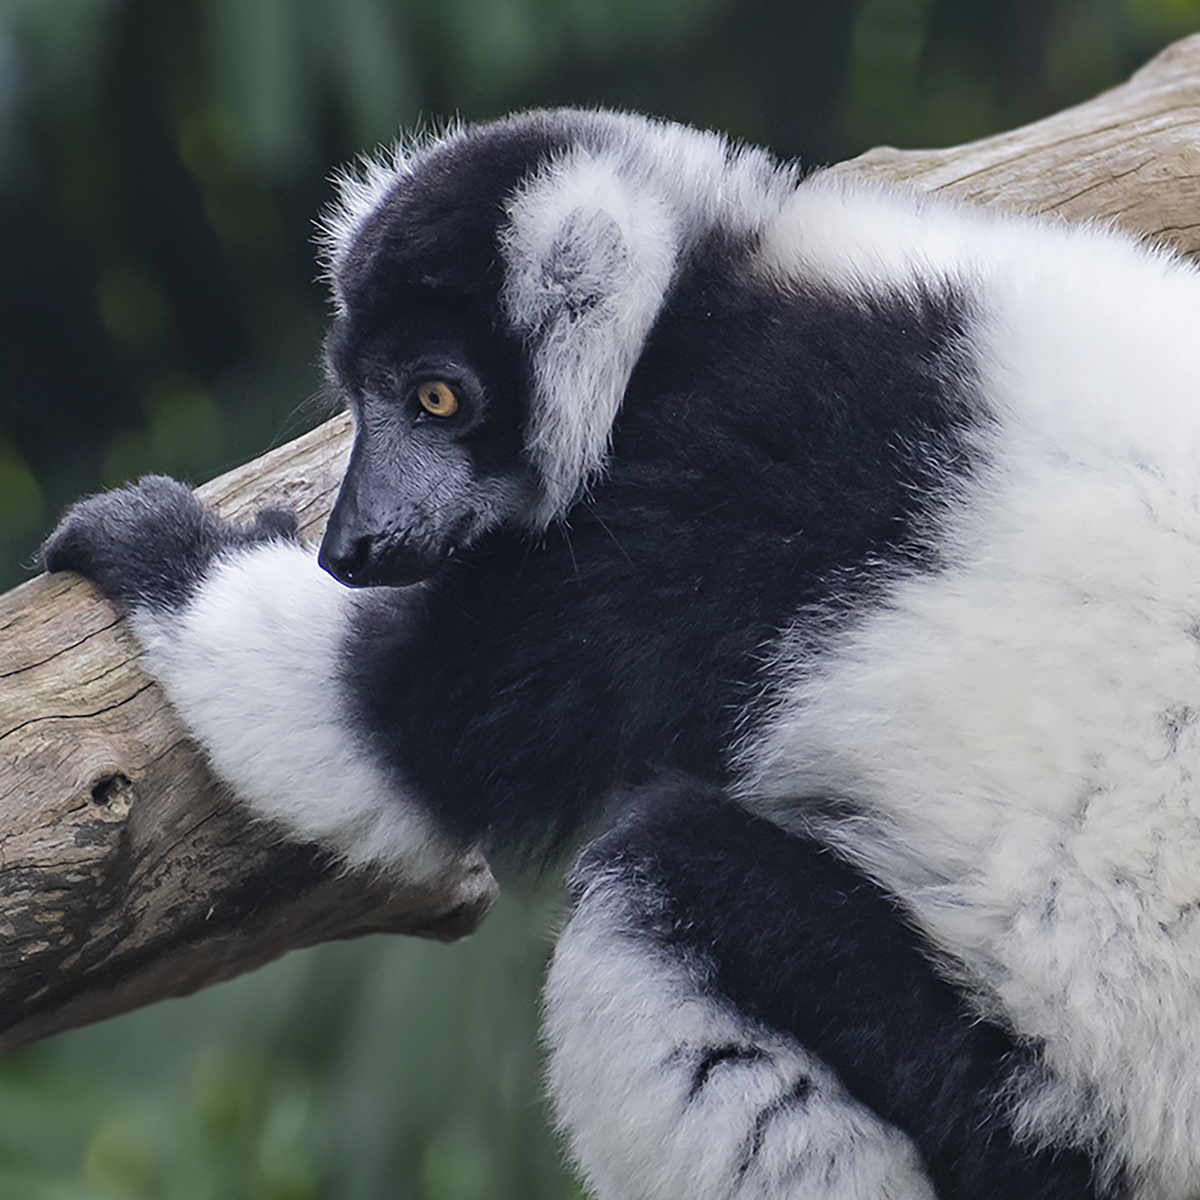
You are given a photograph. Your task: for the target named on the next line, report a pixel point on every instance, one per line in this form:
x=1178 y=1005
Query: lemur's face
x=493 y=297
x=437 y=398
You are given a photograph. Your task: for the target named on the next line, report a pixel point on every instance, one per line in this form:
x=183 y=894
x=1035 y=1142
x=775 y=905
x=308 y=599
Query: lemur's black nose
x=347 y=560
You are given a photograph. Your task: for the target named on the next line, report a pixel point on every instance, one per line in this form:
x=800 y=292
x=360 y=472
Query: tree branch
x=1131 y=157
x=128 y=875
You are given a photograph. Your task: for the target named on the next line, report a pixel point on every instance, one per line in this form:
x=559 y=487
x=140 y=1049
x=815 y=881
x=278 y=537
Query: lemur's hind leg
x=699 y=1051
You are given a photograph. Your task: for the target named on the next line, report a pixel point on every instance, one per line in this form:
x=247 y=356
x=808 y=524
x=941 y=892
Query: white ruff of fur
x=592 y=244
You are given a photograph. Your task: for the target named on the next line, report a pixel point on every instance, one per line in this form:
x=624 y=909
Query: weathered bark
x=1130 y=157
x=128 y=875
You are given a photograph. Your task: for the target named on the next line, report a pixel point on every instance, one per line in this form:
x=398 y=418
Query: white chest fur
x=1019 y=737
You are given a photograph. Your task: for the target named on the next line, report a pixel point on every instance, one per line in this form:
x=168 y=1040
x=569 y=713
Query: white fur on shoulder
x=252 y=665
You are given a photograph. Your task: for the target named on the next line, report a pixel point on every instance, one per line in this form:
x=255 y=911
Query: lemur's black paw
x=150 y=544
x=272 y=525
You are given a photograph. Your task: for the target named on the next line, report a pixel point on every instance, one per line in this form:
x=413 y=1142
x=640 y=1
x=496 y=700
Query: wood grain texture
x=1130 y=157
x=128 y=875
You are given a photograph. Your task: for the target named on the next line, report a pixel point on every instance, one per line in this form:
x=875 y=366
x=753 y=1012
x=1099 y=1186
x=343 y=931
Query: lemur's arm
x=245 y=633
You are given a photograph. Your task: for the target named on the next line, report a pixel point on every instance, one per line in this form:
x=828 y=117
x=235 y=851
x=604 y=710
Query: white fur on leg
x=252 y=664
x=666 y=1094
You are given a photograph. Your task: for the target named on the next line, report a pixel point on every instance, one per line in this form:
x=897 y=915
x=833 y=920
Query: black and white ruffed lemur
x=830 y=558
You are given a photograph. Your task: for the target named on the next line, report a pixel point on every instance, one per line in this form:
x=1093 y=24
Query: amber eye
x=437 y=398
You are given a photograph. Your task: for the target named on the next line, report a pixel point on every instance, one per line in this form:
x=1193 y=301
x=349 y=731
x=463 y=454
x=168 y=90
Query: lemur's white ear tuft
x=590 y=253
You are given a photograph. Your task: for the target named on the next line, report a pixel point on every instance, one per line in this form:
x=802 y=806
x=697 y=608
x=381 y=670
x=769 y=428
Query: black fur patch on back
x=778 y=451
x=837 y=966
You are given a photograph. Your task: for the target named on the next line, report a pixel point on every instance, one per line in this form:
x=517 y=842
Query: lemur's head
x=493 y=290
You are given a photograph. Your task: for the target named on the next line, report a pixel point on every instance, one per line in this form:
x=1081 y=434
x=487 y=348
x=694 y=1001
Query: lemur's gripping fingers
x=149 y=545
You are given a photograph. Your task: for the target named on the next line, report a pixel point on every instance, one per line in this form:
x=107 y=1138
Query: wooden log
x=128 y=875
x=1130 y=157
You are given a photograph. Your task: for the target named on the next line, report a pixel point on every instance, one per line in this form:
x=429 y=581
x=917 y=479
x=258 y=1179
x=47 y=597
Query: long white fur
x=252 y=665
x=1019 y=732
x=627 y=1028
x=589 y=261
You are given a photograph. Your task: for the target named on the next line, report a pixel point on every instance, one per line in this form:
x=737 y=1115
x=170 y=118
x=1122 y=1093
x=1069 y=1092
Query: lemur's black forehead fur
x=437 y=228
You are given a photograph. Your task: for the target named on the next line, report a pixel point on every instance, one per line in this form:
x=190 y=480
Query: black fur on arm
x=838 y=966
x=149 y=545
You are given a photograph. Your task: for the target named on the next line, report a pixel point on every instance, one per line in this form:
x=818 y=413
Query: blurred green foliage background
x=161 y=164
